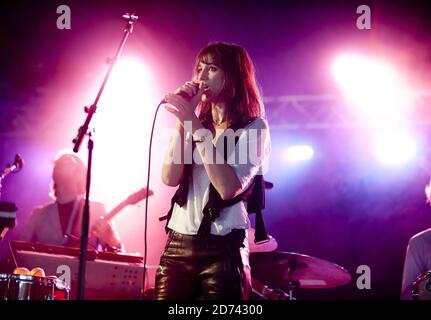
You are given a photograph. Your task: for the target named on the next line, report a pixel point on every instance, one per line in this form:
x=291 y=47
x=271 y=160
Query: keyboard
x=109 y=276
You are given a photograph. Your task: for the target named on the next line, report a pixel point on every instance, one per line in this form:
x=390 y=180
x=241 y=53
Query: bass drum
x=422 y=287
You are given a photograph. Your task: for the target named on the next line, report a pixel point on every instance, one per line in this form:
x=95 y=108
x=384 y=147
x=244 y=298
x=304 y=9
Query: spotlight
x=375 y=89
x=394 y=148
x=299 y=153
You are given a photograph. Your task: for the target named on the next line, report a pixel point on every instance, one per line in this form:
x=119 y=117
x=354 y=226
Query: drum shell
x=25 y=287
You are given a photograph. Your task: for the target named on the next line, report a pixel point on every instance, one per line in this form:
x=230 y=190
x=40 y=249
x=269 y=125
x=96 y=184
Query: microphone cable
x=146 y=198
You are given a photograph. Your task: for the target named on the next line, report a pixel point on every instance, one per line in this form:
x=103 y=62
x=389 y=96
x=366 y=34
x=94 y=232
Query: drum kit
x=422 y=287
x=290 y=271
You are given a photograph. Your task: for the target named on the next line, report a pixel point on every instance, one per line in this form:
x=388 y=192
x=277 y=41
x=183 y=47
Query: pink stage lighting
x=123 y=123
x=376 y=90
x=394 y=148
x=299 y=153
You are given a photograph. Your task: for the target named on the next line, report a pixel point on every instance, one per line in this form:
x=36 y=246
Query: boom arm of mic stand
x=83 y=130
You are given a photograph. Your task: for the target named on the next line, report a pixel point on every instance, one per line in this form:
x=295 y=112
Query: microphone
x=17 y=165
x=184 y=94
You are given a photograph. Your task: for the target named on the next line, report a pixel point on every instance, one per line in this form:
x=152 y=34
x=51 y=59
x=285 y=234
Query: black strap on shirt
x=254 y=195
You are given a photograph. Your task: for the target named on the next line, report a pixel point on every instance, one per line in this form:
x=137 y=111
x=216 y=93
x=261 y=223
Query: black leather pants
x=216 y=268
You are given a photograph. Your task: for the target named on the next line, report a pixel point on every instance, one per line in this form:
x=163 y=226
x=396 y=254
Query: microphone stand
x=8 y=209
x=82 y=131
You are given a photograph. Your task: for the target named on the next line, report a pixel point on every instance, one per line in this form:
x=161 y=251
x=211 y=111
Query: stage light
x=299 y=153
x=123 y=121
x=394 y=148
x=374 y=87
x=130 y=80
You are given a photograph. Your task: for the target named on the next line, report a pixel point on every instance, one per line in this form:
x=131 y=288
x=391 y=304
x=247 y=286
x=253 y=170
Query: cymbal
x=297 y=270
x=267 y=246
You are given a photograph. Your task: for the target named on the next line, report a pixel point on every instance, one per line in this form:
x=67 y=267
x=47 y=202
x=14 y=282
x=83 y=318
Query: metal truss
x=312 y=112
x=293 y=112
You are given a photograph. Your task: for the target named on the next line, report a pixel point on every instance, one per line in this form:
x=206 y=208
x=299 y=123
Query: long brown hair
x=240 y=88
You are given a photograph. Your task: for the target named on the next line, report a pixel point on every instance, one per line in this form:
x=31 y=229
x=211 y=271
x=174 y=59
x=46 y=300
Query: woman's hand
x=182 y=108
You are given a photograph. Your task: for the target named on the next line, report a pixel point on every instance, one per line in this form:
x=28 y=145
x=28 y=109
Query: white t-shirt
x=246 y=163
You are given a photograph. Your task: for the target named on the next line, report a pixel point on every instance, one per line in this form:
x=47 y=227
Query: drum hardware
x=292 y=270
x=422 y=287
x=266 y=293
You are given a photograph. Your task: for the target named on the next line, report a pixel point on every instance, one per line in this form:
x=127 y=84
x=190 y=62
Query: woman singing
x=214 y=157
